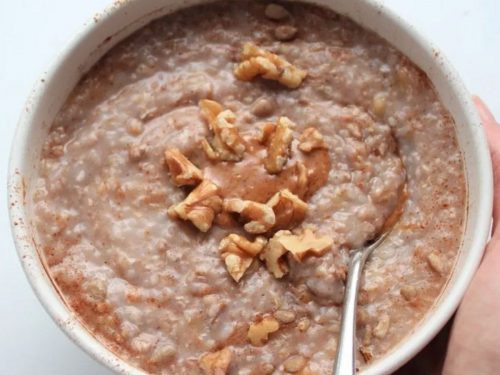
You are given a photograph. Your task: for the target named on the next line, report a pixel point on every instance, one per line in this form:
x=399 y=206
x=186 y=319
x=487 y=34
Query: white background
x=33 y=31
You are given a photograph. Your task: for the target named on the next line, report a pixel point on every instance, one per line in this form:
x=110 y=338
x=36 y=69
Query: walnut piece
x=237 y=244
x=302 y=179
x=261 y=216
x=310 y=140
x=258 y=332
x=273 y=255
x=238 y=253
x=305 y=244
x=266 y=132
x=236 y=264
x=288 y=209
x=255 y=61
x=278 y=138
x=183 y=172
x=200 y=206
x=215 y=363
x=226 y=144
x=382 y=327
x=210 y=109
x=366 y=353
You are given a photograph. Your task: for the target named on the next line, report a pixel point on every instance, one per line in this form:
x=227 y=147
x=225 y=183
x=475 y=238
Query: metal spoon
x=345 y=361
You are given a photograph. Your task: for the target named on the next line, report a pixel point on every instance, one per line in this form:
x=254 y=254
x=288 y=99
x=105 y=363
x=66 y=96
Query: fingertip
x=484 y=112
x=493 y=134
x=486 y=116
x=490 y=125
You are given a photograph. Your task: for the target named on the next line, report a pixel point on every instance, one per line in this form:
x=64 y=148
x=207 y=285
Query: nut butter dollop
x=249 y=180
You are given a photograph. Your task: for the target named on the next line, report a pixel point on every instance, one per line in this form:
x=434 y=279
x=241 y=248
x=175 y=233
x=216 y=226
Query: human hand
x=474 y=346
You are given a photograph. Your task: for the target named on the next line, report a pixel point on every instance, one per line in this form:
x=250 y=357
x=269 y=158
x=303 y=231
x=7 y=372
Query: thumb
x=492 y=129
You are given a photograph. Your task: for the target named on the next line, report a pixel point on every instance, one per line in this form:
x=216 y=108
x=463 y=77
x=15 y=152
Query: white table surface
x=33 y=31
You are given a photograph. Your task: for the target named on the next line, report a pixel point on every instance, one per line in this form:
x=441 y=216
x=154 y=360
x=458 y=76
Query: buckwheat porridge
x=200 y=191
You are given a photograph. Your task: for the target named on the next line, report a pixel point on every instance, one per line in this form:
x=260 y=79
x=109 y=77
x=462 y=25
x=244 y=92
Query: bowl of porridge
x=188 y=181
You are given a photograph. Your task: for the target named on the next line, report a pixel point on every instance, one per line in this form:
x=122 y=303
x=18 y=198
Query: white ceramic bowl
x=125 y=17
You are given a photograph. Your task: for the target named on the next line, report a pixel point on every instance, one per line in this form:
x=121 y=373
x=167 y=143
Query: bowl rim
x=54 y=304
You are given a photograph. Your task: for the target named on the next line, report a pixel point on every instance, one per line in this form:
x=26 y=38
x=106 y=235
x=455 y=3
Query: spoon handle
x=345 y=362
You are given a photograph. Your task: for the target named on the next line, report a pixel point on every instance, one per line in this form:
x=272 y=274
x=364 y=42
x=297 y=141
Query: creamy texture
x=154 y=289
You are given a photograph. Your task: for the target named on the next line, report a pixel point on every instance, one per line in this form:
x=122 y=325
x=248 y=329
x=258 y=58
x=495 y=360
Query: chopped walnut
x=215 y=363
x=266 y=132
x=261 y=216
x=236 y=264
x=209 y=150
x=199 y=207
x=311 y=139
x=256 y=61
x=273 y=255
x=302 y=179
x=226 y=143
x=258 y=332
x=183 y=172
x=366 y=353
x=278 y=138
x=306 y=244
x=382 y=327
x=238 y=253
x=210 y=109
x=288 y=208
x=235 y=243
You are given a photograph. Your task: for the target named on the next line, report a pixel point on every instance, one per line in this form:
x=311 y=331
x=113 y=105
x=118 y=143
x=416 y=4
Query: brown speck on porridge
x=200 y=191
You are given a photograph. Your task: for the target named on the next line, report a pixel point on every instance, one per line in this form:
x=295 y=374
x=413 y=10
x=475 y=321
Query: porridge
x=200 y=191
